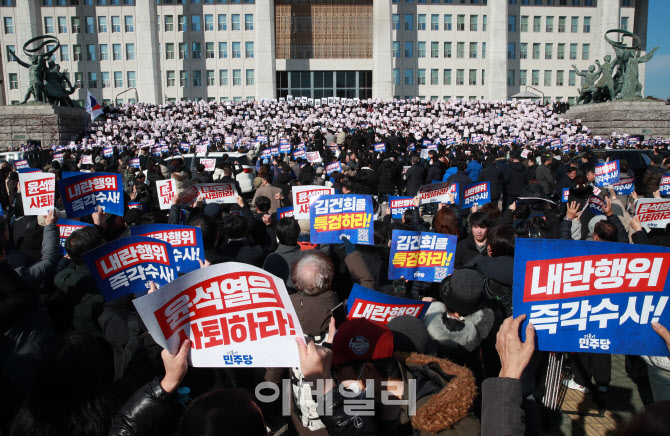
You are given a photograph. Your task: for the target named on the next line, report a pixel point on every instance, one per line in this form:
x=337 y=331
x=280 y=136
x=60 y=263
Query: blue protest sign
x=274 y=151
x=376 y=306
x=565 y=195
x=380 y=147
x=299 y=154
x=126 y=265
x=597 y=205
x=66 y=174
x=333 y=216
x=65 y=229
x=186 y=242
x=664 y=185
x=137 y=205
x=607 y=173
x=477 y=194
x=285 y=148
x=398 y=206
x=602 y=300
x=333 y=167
x=555 y=143
x=626 y=185
x=28 y=170
x=266 y=154
x=82 y=194
x=421 y=256
x=134 y=162
x=107 y=152
x=284 y=212
x=20 y=164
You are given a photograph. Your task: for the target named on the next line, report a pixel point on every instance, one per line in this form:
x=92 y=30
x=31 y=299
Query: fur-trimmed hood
x=179 y=175
x=451 y=401
x=455 y=336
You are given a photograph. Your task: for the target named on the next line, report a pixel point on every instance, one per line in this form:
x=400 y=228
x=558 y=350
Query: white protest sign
x=236 y=315
x=37 y=192
x=437 y=192
x=86 y=159
x=653 y=213
x=303 y=196
x=210 y=164
x=167 y=190
x=313 y=157
x=211 y=192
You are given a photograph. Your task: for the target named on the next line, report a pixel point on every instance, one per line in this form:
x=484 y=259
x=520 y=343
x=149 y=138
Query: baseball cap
x=361 y=340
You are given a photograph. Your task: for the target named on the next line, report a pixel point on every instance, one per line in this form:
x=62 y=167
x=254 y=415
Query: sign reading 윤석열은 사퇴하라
x=597 y=297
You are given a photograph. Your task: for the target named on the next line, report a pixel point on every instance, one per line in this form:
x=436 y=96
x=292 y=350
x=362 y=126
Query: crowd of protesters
x=73 y=364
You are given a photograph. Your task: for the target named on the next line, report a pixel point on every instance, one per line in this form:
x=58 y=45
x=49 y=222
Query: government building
x=161 y=51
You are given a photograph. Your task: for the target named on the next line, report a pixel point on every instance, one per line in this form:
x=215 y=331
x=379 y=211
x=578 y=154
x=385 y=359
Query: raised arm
x=16 y=58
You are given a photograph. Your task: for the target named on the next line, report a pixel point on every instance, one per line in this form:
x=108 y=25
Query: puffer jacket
x=388 y=177
x=518 y=177
x=445 y=395
x=652 y=179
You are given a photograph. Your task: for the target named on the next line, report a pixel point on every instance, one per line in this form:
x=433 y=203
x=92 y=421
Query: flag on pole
x=92 y=106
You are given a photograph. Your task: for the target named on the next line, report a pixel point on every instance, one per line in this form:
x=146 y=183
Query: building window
x=249 y=24
x=511 y=50
x=235 y=22
x=102 y=24
x=116 y=24
x=249 y=49
x=197 y=51
x=421 y=49
x=460 y=22
x=572 y=78
x=624 y=23
x=435 y=22
x=561 y=24
x=209 y=22
x=560 y=54
x=421 y=23
x=130 y=52
x=170 y=78
x=536 y=50
x=236 y=50
x=573 y=51
x=395 y=22
x=535 y=78
x=237 y=77
x=483 y=77
x=460 y=50
x=524 y=23
x=473 y=50
x=183 y=50
x=197 y=78
x=396 y=49
x=483 y=50
x=447 y=50
x=409 y=76
x=223 y=24
x=181 y=24
x=90 y=52
x=522 y=77
x=409 y=49
x=574 y=25
x=446 y=77
x=104 y=52
x=547 y=77
x=523 y=50
x=421 y=76
x=223 y=50
x=183 y=78
x=131 y=79
x=223 y=77
x=13 y=81
x=434 y=49
x=64 y=53
x=537 y=25
x=169 y=50
x=447 y=22
x=559 y=77
x=76 y=53
x=195 y=27
x=434 y=76
x=62 y=24
x=76 y=26
x=587 y=24
x=250 y=77
x=169 y=24
x=472 y=77
x=473 y=23
x=460 y=77
x=48 y=25
x=483 y=23
x=92 y=80
x=106 y=83
x=118 y=79
x=129 y=24
x=409 y=22
x=396 y=76
x=116 y=52
x=548 y=49
x=585 y=51
x=209 y=50
x=79 y=79
x=511 y=23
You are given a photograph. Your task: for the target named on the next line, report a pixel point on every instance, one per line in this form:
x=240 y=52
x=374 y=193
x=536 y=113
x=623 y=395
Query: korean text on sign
x=332 y=216
x=65 y=229
x=167 y=190
x=226 y=310
x=626 y=186
x=186 y=243
x=82 y=194
x=218 y=192
x=477 y=194
x=399 y=205
x=439 y=192
x=302 y=197
x=376 y=306
x=421 y=256
x=126 y=265
x=612 y=293
x=664 y=185
x=284 y=212
x=653 y=212
x=39 y=191
x=607 y=173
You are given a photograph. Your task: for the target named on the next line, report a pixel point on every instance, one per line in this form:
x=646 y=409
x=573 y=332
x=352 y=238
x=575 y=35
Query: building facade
x=170 y=50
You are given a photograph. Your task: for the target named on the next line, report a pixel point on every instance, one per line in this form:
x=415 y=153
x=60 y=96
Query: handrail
x=123 y=92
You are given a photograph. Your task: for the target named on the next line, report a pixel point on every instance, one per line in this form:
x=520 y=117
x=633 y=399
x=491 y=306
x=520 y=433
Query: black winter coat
x=435 y=172
x=463 y=181
x=366 y=182
x=416 y=175
x=518 y=175
x=388 y=177
x=492 y=174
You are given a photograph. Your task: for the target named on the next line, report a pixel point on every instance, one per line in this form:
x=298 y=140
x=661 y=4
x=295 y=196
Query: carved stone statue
x=631 y=86
x=47 y=83
x=606 y=82
x=586 y=91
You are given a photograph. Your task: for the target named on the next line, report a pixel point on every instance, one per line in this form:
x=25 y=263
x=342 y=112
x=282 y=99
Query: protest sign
x=234 y=314
x=210 y=192
x=201 y=149
x=398 y=206
x=380 y=147
x=477 y=194
x=333 y=167
x=19 y=164
x=299 y=154
x=83 y=193
x=664 y=185
x=65 y=229
x=600 y=301
x=302 y=196
x=266 y=154
x=422 y=256
x=274 y=151
x=653 y=213
x=58 y=157
x=607 y=173
x=186 y=243
x=625 y=186
x=423 y=154
x=285 y=148
x=313 y=157
x=137 y=205
x=565 y=195
x=376 y=306
x=438 y=193
x=405 y=168
x=107 y=152
x=210 y=164
x=166 y=190
x=86 y=159
x=126 y=265
x=285 y=212
x=597 y=205
x=334 y=216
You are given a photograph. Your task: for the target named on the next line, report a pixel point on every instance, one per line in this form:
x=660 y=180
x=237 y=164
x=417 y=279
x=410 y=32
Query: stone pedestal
x=650 y=119
x=45 y=123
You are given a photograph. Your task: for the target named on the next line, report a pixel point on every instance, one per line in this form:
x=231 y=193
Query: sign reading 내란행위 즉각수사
x=596 y=297
x=186 y=243
x=607 y=173
x=398 y=206
x=234 y=314
x=82 y=194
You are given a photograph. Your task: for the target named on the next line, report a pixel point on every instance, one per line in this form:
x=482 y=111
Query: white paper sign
x=167 y=190
x=304 y=195
x=436 y=192
x=86 y=159
x=211 y=192
x=210 y=164
x=37 y=192
x=313 y=157
x=236 y=315
x=653 y=213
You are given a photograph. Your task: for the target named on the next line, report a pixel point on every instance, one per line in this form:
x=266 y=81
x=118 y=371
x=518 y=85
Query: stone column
x=266 y=79
x=640 y=29
x=27 y=25
x=496 y=50
x=609 y=17
x=382 y=68
x=149 y=74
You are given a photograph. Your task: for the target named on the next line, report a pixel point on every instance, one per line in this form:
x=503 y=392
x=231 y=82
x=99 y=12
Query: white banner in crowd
x=167 y=190
x=210 y=164
x=653 y=213
x=211 y=192
x=303 y=196
x=235 y=315
x=437 y=192
x=38 y=192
